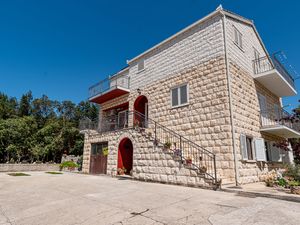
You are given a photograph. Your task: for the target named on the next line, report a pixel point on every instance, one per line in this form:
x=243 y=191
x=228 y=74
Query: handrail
x=109 y=84
x=268 y=63
x=187 y=151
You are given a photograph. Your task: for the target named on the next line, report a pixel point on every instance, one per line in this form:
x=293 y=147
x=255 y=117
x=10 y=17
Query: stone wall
x=196 y=45
x=28 y=167
x=206 y=119
x=150 y=163
x=247 y=120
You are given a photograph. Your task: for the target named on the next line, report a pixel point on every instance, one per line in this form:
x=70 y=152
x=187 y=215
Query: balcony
x=275 y=75
x=279 y=122
x=108 y=89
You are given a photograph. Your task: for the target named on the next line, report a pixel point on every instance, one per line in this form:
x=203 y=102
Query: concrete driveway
x=83 y=199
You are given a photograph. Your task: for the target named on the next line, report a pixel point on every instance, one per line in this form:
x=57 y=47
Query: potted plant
x=203 y=169
x=121 y=171
x=294 y=187
x=136 y=123
x=188 y=161
x=167 y=145
x=177 y=154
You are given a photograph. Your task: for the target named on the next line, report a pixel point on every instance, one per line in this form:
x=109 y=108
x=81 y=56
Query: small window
x=179 y=95
x=247 y=147
x=141 y=65
x=238 y=37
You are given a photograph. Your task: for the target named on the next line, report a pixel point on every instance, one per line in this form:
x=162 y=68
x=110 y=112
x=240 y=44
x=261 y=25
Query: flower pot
x=295 y=190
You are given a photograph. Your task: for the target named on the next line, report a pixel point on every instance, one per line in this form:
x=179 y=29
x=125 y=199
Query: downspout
x=236 y=172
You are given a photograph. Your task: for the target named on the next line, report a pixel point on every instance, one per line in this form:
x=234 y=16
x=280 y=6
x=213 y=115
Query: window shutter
x=243 y=147
x=183 y=94
x=275 y=153
x=260 y=149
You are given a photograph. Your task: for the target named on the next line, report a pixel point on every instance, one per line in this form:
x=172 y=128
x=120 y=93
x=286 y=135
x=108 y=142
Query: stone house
x=202 y=106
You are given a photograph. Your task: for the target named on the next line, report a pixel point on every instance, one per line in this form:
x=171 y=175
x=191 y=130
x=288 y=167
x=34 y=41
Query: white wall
x=243 y=57
x=201 y=43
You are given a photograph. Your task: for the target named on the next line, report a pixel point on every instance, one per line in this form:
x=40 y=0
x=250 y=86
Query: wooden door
x=98 y=161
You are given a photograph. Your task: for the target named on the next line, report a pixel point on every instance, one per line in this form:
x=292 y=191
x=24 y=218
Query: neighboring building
x=203 y=105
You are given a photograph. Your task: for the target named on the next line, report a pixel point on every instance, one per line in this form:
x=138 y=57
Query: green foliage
x=40 y=129
x=281 y=182
x=293 y=183
x=68 y=164
x=293 y=172
x=19 y=174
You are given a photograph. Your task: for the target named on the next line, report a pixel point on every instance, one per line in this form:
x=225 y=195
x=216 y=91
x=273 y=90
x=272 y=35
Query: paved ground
x=82 y=199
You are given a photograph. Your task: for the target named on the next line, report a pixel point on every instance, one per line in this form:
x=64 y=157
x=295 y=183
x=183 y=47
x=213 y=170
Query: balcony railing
x=276 y=117
x=264 y=64
x=108 y=84
x=106 y=123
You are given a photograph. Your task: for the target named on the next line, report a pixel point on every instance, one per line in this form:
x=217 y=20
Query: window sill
x=249 y=161
x=179 y=106
x=140 y=71
x=239 y=47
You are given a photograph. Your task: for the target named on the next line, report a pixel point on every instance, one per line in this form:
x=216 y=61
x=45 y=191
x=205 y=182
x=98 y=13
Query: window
x=179 y=95
x=247 y=147
x=238 y=37
x=141 y=65
x=253 y=148
x=97 y=148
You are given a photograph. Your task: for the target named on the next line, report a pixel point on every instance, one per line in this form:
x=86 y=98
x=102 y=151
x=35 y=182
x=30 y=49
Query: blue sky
x=61 y=47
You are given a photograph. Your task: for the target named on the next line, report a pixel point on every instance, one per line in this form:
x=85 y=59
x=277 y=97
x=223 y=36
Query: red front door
x=125 y=155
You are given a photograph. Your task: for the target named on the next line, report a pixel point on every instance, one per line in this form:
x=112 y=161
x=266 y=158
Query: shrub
x=68 y=164
x=281 y=182
x=19 y=174
x=293 y=172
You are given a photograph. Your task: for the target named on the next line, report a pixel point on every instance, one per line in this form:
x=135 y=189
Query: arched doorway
x=125 y=156
x=141 y=106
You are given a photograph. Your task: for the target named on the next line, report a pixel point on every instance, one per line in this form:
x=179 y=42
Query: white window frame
x=179 y=95
x=238 y=37
x=246 y=157
x=142 y=61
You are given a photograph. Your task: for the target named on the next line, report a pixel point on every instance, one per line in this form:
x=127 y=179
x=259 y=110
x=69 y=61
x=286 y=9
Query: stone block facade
x=198 y=56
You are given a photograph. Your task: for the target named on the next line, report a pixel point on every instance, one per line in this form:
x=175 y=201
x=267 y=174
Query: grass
x=55 y=173
x=18 y=174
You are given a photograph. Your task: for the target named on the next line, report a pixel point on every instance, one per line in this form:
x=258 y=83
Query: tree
x=8 y=107
x=16 y=139
x=25 y=104
x=43 y=109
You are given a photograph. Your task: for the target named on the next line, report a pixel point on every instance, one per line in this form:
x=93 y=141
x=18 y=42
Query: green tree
x=16 y=139
x=8 y=107
x=25 y=104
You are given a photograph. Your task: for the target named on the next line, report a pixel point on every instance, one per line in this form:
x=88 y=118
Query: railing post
x=215 y=169
x=180 y=147
x=155 y=132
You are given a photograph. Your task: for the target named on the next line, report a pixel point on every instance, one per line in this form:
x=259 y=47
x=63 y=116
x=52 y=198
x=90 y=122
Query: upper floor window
x=179 y=95
x=238 y=37
x=141 y=65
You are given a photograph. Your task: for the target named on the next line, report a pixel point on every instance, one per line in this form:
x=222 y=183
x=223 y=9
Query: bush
x=281 y=182
x=292 y=172
x=70 y=165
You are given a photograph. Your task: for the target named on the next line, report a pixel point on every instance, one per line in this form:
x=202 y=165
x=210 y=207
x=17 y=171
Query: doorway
x=98 y=162
x=125 y=156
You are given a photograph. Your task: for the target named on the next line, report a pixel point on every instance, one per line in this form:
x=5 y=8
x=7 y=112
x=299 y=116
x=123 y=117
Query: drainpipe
x=230 y=103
